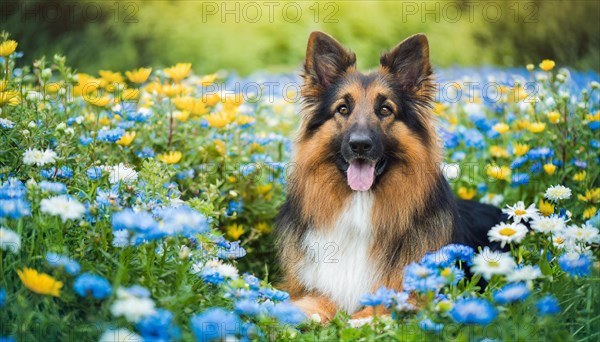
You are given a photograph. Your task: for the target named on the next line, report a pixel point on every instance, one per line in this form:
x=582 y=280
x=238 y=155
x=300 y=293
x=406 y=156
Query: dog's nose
x=360 y=143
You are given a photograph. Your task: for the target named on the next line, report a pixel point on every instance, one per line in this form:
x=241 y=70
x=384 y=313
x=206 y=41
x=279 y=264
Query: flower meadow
x=139 y=205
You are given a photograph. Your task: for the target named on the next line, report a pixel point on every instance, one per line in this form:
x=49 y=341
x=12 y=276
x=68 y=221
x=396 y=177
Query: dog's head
x=366 y=124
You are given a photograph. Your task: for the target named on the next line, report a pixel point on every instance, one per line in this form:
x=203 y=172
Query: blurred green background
x=249 y=35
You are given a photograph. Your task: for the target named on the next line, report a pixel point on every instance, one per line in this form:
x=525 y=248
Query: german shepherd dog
x=367 y=195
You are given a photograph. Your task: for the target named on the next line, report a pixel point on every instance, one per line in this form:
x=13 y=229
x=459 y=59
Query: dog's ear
x=409 y=62
x=326 y=60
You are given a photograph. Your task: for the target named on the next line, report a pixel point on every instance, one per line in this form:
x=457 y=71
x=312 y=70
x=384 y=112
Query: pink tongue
x=361 y=175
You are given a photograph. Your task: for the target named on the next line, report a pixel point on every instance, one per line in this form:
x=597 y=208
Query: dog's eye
x=385 y=111
x=343 y=109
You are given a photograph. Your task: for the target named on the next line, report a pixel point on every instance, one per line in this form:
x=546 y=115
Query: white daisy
x=132 y=307
x=488 y=263
x=559 y=239
x=557 y=192
x=9 y=240
x=550 y=224
x=64 y=206
x=228 y=271
x=585 y=233
x=39 y=157
x=5 y=123
x=492 y=199
x=122 y=173
x=507 y=233
x=524 y=273
x=518 y=212
x=119 y=335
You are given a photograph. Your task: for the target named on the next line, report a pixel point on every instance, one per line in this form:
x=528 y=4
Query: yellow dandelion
x=592 y=196
x=179 y=71
x=580 y=176
x=235 y=231
x=98 y=101
x=211 y=99
x=553 y=117
x=262 y=227
x=547 y=65
x=588 y=213
x=546 y=208
x=520 y=149
x=522 y=124
x=220 y=119
x=40 y=283
x=536 y=127
x=498 y=172
x=139 y=75
x=131 y=94
x=9 y=97
x=7 y=48
x=501 y=127
x=172 y=157
x=498 y=152
x=549 y=168
x=181 y=116
x=126 y=139
x=465 y=193
x=111 y=77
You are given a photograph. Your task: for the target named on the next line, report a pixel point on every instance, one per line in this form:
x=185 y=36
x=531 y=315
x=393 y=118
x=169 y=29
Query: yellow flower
x=154 y=87
x=536 y=127
x=207 y=80
x=7 y=48
x=232 y=102
x=104 y=121
x=263 y=189
x=235 y=231
x=211 y=99
x=195 y=106
x=588 y=213
x=126 y=139
x=182 y=116
x=172 y=90
x=466 y=194
x=111 y=77
x=9 y=97
x=86 y=84
x=179 y=71
x=98 y=101
x=530 y=67
x=546 y=208
x=231 y=179
x=549 y=168
x=220 y=147
x=439 y=109
x=498 y=152
x=520 y=149
x=553 y=117
x=2 y=85
x=547 y=65
x=139 y=75
x=172 y=157
x=591 y=196
x=580 y=176
x=53 y=87
x=522 y=124
x=131 y=94
x=498 y=172
x=595 y=117
x=262 y=227
x=501 y=127
x=40 y=283
x=244 y=120
x=220 y=119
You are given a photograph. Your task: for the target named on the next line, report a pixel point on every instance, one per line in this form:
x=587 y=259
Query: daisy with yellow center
x=507 y=233
x=549 y=168
x=520 y=149
x=536 y=127
x=547 y=65
x=519 y=212
x=40 y=283
x=126 y=139
x=179 y=71
x=139 y=75
x=7 y=48
x=465 y=193
x=172 y=157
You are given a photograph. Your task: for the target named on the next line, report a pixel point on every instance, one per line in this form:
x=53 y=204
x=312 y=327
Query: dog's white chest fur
x=336 y=261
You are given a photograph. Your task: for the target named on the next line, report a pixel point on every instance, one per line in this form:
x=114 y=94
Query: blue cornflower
x=183 y=220
x=580 y=163
x=547 y=306
x=54 y=187
x=449 y=255
x=575 y=264
x=215 y=324
x=108 y=198
x=429 y=325
x=536 y=168
x=594 y=125
x=510 y=293
x=159 y=326
x=274 y=294
x=540 y=153
x=137 y=221
x=234 y=207
x=458 y=156
x=137 y=291
x=85 y=140
x=232 y=251
x=473 y=138
x=12 y=188
x=57 y=260
x=473 y=311
x=92 y=284
x=186 y=174
x=517 y=179
x=450 y=139
x=247 y=307
x=518 y=162
x=63 y=172
x=110 y=135
x=595 y=144
x=94 y=172
x=252 y=281
x=287 y=313
x=212 y=276
x=422 y=278
x=14 y=208
x=382 y=296
x=146 y=152
x=2 y=296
